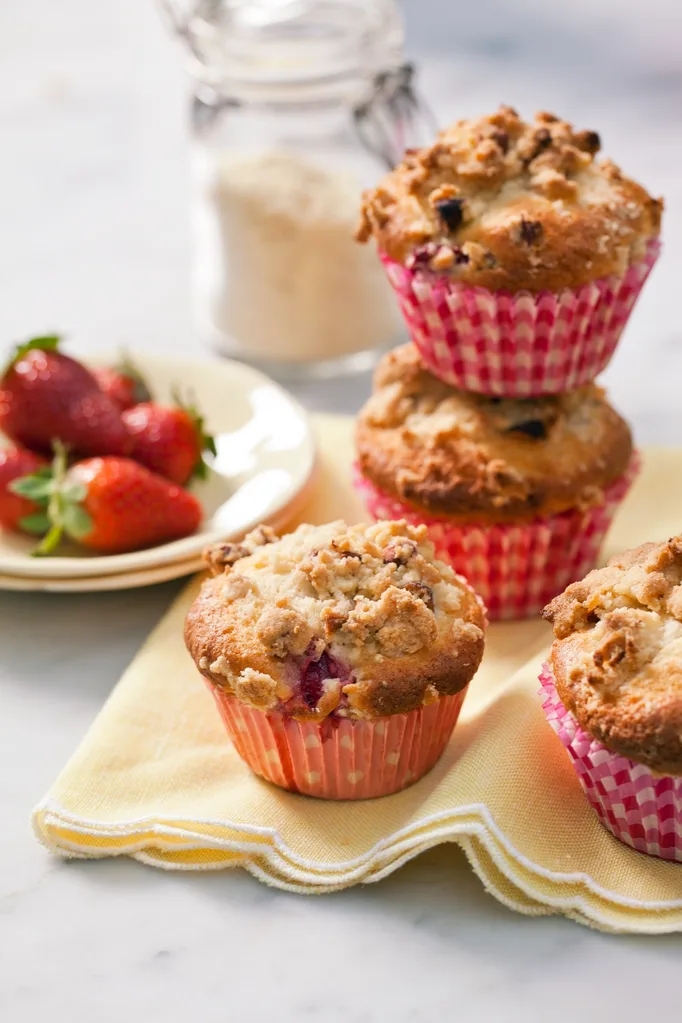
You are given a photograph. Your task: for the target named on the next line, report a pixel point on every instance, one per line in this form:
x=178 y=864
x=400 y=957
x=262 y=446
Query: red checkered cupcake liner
x=515 y=569
x=338 y=758
x=641 y=809
x=516 y=345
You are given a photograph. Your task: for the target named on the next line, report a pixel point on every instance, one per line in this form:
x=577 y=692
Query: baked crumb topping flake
x=506 y=203
x=352 y=620
x=617 y=656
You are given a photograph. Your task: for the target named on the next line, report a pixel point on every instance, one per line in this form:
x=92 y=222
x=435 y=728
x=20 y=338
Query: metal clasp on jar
x=395 y=117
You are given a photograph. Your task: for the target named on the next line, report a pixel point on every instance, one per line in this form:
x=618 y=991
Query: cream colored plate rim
x=131 y=580
x=266 y=452
x=102 y=583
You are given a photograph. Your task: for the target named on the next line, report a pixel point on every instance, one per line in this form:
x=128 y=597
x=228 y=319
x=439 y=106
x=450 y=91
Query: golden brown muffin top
x=617 y=657
x=509 y=204
x=472 y=457
x=356 y=621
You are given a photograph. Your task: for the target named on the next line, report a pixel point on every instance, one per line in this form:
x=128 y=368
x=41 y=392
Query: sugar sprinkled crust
x=617 y=657
x=358 y=621
x=462 y=455
x=508 y=204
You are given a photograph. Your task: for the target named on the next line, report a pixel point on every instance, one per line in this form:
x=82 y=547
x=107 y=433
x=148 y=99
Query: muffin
x=338 y=656
x=517 y=494
x=613 y=692
x=515 y=253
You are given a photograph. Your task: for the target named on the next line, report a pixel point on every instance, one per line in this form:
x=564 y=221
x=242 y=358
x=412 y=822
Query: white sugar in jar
x=285 y=280
x=299 y=105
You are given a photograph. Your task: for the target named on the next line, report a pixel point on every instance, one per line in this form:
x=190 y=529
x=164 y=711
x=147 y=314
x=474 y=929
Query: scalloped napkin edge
x=146 y=785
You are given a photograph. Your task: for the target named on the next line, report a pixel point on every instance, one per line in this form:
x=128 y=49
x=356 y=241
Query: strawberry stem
x=62 y=496
x=49 y=543
x=52 y=538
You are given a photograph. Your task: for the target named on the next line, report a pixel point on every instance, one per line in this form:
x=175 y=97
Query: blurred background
x=95 y=170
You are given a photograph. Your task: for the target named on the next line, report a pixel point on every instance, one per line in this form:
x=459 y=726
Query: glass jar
x=298 y=105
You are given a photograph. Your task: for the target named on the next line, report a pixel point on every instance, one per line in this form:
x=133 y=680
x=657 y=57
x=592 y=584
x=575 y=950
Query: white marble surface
x=94 y=241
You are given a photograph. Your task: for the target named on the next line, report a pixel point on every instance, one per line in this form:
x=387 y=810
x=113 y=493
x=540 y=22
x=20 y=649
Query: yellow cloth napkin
x=156 y=776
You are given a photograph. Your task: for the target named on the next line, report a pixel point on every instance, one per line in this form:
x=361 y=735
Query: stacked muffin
x=516 y=257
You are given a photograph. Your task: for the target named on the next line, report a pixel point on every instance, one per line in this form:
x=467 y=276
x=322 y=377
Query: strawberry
x=19 y=512
x=46 y=396
x=124 y=383
x=169 y=440
x=112 y=505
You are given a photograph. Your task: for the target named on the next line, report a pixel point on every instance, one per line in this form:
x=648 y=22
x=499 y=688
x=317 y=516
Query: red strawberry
x=17 y=512
x=46 y=396
x=169 y=440
x=123 y=383
x=114 y=505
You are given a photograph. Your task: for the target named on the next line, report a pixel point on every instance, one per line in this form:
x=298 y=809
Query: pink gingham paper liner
x=515 y=569
x=517 y=344
x=640 y=809
x=339 y=758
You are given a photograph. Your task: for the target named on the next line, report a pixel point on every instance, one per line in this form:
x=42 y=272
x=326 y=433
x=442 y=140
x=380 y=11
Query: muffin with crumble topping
x=516 y=254
x=517 y=493
x=338 y=656
x=613 y=692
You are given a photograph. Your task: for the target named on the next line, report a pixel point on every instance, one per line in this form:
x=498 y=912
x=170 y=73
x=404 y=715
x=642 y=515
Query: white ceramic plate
x=265 y=461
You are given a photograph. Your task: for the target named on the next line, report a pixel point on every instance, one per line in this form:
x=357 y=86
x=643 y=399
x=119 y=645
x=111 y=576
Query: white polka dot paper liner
x=515 y=569
x=338 y=758
x=516 y=345
x=639 y=808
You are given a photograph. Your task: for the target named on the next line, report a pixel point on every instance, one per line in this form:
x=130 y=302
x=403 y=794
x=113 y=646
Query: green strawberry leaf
x=39 y=524
x=47 y=343
x=199 y=472
x=205 y=441
x=73 y=493
x=127 y=368
x=34 y=487
x=76 y=521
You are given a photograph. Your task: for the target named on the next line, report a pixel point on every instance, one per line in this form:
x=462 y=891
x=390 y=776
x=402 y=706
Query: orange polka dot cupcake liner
x=340 y=758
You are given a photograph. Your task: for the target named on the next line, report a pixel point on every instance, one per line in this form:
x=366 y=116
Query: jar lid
x=289 y=49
